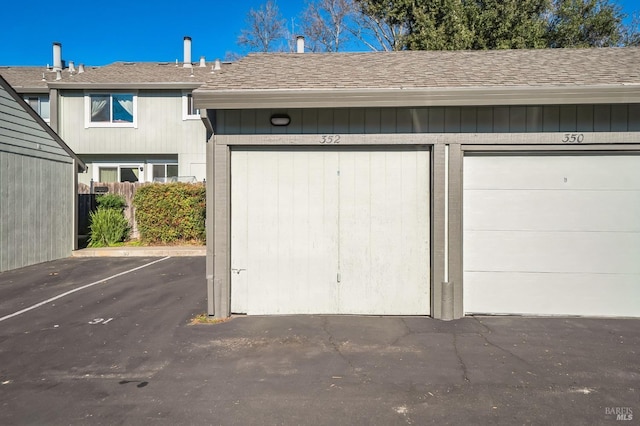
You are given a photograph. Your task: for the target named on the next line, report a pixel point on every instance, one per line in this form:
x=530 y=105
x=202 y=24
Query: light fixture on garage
x=280 y=120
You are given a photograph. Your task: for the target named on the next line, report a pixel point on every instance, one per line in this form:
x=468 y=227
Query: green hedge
x=171 y=213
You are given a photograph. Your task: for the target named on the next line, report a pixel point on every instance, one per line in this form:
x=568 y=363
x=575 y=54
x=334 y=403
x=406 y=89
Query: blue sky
x=131 y=30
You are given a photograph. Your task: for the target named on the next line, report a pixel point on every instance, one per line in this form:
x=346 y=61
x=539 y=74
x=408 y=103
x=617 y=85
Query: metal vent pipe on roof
x=299 y=44
x=203 y=62
x=187 y=52
x=57 y=56
x=217 y=65
x=72 y=67
x=80 y=68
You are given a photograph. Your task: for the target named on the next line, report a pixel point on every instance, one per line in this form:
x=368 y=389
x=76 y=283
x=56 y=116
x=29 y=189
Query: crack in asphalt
x=407 y=332
x=490 y=343
x=336 y=348
x=483 y=325
x=460 y=360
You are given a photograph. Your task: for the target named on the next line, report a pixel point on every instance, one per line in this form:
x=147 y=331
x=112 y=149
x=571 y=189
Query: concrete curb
x=179 y=251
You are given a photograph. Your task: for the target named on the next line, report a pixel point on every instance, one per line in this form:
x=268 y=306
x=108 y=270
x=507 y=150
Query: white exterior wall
x=161 y=129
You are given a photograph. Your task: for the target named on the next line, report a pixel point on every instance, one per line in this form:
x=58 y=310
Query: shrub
x=108 y=227
x=111 y=201
x=169 y=213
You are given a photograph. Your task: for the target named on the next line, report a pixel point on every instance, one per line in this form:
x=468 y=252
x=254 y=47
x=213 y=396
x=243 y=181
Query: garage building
x=38 y=187
x=425 y=183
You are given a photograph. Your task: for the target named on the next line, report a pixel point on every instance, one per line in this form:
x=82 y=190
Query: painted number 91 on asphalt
x=102 y=321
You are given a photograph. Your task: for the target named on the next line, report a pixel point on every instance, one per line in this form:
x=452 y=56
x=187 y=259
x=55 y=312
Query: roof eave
x=25 y=89
x=400 y=97
x=126 y=86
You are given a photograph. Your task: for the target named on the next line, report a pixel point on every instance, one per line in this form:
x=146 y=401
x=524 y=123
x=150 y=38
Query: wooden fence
x=87 y=202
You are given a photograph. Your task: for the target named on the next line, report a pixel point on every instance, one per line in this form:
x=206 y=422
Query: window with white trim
x=105 y=173
x=189 y=111
x=164 y=172
x=40 y=104
x=111 y=110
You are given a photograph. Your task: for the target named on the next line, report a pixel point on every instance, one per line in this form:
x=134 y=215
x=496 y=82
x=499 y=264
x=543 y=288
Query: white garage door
x=552 y=235
x=333 y=231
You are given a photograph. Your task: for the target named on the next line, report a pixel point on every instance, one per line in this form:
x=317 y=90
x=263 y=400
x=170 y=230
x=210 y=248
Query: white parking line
x=37 y=305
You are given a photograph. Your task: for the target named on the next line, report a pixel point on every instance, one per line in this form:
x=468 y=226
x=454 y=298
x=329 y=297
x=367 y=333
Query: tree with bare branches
x=266 y=29
x=325 y=24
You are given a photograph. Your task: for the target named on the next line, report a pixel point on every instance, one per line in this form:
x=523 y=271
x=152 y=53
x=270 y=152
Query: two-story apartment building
x=128 y=121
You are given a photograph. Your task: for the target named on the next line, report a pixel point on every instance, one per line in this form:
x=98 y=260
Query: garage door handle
x=237 y=271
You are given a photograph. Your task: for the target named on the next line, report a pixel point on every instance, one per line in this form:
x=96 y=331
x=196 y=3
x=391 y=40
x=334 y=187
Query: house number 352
x=330 y=139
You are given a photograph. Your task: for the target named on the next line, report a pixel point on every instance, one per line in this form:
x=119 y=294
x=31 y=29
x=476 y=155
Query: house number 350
x=330 y=139
x=573 y=138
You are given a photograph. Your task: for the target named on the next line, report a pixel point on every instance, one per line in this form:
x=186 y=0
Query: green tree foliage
x=498 y=24
x=111 y=201
x=508 y=24
x=448 y=24
x=169 y=213
x=438 y=25
x=585 y=23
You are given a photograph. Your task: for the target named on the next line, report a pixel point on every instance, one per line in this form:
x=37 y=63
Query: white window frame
x=87 y=110
x=141 y=166
x=186 y=114
x=40 y=99
x=164 y=163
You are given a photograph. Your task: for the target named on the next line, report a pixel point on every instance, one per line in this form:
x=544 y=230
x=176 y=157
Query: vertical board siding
x=601 y=118
x=499 y=119
x=36 y=190
x=36 y=200
x=634 y=118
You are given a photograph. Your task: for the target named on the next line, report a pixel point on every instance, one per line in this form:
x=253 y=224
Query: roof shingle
x=431 y=69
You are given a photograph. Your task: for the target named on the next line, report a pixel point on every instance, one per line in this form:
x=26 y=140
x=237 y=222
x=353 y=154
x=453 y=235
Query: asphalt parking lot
x=122 y=351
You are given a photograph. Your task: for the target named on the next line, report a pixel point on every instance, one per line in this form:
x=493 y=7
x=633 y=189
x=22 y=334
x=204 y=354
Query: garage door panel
x=279 y=187
x=552 y=234
x=382 y=268
x=356 y=286
x=552 y=210
x=594 y=252
x=583 y=294
x=239 y=238
x=331 y=231
x=552 y=172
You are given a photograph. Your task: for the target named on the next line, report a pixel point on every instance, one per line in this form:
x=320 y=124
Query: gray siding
x=21 y=134
x=36 y=201
x=36 y=191
x=499 y=119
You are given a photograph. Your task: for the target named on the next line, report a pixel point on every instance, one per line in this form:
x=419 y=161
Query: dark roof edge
x=31 y=89
x=416 y=97
x=125 y=86
x=80 y=164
